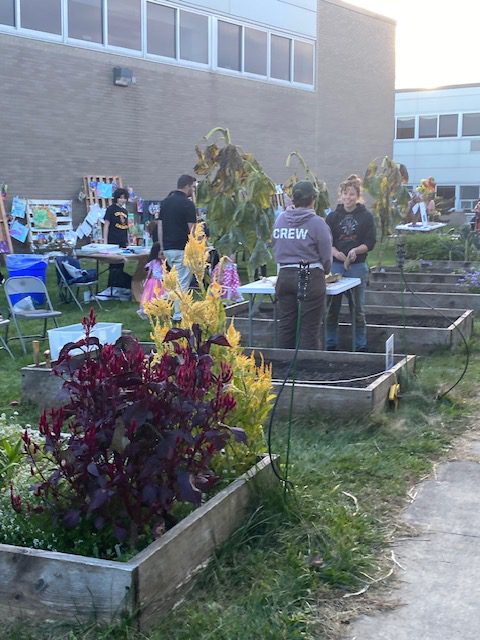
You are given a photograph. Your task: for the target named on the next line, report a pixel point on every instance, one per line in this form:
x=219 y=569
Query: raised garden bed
x=424 y=329
x=40 y=586
x=391 y=298
x=353 y=398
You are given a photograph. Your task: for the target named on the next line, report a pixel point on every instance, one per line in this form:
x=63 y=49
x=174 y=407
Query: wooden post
x=36 y=352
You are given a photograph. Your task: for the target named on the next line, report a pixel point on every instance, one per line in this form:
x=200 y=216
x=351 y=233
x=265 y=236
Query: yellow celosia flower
x=160 y=309
x=196 y=253
x=233 y=336
x=170 y=280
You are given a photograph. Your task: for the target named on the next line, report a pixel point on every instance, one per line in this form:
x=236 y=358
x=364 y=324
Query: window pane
x=255 y=57
x=193 y=37
x=280 y=58
x=41 y=16
x=471 y=124
x=448 y=126
x=405 y=128
x=85 y=20
x=427 y=127
x=445 y=198
x=161 y=25
x=229 y=46
x=7 y=12
x=303 y=62
x=469 y=192
x=124 y=24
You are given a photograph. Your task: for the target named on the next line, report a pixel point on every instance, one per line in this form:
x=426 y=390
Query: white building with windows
x=437 y=133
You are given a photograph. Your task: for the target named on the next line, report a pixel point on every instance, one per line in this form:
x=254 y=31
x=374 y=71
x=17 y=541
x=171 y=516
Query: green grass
x=282 y=575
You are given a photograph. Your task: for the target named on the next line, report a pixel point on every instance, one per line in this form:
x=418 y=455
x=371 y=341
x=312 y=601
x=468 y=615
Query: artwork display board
x=49 y=225
x=99 y=189
x=5 y=240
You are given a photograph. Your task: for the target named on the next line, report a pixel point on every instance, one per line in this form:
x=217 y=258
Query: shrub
x=140 y=434
x=439 y=246
x=471 y=281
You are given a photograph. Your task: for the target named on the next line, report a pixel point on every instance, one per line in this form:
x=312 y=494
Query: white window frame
x=468 y=135
x=415 y=127
x=212 y=44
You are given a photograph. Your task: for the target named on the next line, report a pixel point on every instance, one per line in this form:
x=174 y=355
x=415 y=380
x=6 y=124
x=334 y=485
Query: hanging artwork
x=19 y=206
x=18 y=231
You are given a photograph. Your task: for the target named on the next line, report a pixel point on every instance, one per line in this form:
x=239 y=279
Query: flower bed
x=41 y=586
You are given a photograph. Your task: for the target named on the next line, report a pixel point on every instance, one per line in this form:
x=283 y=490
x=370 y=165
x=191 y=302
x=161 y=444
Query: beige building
x=306 y=75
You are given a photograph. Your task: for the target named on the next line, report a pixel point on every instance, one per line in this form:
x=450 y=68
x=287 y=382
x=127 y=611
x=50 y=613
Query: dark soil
x=321 y=371
x=434 y=321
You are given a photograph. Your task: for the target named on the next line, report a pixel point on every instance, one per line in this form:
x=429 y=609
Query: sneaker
x=141 y=314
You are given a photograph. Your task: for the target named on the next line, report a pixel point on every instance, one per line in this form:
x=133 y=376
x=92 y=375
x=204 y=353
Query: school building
x=128 y=87
x=437 y=133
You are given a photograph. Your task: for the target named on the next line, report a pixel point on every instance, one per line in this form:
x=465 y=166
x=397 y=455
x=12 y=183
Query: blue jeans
x=174 y=258
x=356 y=270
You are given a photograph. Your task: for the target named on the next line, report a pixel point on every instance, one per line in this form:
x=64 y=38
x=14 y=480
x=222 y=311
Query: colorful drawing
x=19 y=206
x=18 y=231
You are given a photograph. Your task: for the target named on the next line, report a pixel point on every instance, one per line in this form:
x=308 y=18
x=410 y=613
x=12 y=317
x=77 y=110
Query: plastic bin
x=27 y=265
x=106 y=332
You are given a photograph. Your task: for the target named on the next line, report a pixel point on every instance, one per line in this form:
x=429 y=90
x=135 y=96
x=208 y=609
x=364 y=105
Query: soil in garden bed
x=320 y=372
x=435 y=321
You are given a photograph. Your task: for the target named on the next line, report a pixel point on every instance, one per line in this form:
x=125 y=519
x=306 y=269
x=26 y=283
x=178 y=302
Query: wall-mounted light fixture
x=123 y=77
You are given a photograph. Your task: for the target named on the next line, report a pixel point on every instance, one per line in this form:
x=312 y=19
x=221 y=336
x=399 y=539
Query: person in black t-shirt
x=177 y=218
x=115 y=231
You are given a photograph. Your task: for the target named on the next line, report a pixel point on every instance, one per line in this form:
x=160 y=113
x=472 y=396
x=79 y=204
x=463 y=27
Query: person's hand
x=352 y=255
x=339 y=255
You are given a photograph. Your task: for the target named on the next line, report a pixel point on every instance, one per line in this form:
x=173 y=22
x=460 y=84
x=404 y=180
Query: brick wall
x=63 y=118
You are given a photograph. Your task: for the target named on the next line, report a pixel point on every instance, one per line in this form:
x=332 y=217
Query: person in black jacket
x=353 y=234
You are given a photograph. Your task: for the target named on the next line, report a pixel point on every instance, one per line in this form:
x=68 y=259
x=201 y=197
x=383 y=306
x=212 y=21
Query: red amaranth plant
x=139 y=436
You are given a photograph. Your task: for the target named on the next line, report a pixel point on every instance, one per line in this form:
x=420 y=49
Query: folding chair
x=70 y=276
x=3 y=340
x=26 y=286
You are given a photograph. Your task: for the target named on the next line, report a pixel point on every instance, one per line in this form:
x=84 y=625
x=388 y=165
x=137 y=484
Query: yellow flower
x=196 y=253
x=233 y=336
x=160 y=309
x=170 y=279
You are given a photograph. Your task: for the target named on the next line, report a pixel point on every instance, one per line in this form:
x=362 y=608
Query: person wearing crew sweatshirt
x=353 y=233
x=301 y=236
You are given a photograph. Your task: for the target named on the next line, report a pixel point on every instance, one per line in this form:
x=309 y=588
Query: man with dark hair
x=176 y=220
x=115 y=231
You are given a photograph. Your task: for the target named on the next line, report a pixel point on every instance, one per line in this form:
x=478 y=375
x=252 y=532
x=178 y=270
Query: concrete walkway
x=439 y=588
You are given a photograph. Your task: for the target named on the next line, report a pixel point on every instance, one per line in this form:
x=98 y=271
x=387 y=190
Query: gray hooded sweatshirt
x=299 y=235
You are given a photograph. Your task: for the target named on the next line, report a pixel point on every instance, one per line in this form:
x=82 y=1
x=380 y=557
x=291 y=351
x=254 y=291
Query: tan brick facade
x=61 y=116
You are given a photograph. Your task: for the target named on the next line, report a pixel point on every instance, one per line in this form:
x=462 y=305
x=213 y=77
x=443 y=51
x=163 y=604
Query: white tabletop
x=267 y=286
x=433 y=226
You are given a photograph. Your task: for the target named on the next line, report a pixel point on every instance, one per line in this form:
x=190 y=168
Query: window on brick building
x=448 y=126
x=43 y=16
x=161 y=30
x=229 y=52
x=7 y=12
x=405 y=128
x=193 y=37
x=471 y=124
x=85 y=20
x=124 y=24
x=255 y=56
x=303 y=62
x=280 y=55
